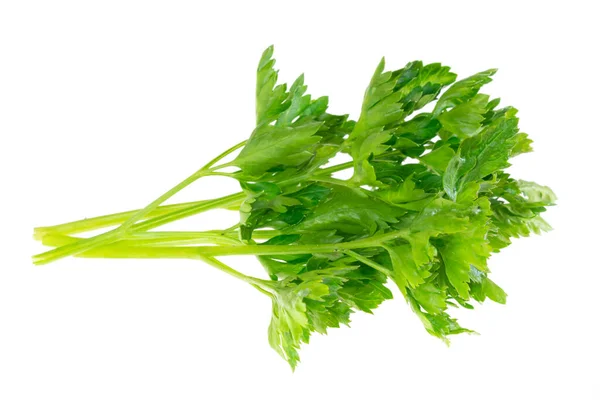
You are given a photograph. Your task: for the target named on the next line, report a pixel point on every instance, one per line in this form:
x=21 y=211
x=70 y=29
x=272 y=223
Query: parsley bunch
x=428 y=202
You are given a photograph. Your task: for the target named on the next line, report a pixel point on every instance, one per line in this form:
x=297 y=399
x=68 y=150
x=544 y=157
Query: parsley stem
x=328 y=179
x=152 y=239
x=260 y=249
x=225 y=154
x=133 y=217
x=110 y=236
x=260 y=284
x=104 y=221
x=368 y=262
x=121 y=250
x=167 y=214
x=222 y=202
x=90 y=224
x=173 y=252
x=107 y=237
x=334 y=168
x=166 y=237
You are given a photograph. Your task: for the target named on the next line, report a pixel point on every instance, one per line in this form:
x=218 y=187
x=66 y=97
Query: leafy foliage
x=429 y=227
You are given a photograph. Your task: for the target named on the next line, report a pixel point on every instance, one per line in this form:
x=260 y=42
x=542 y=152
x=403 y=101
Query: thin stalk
x=108 y=237
x=113 y=235
x=172 y=238
x=225 y=154
x=334 y=168
x=152 y=239
x=90 y=224
x=120 y=250
x=179 y=238
x=182 y=235
x=162 y=198
x=328 y=179
x=373 y=241
x=188 y=238
x=104 y=221
x=58 y=239
x=368 y=262
x=262 y=285
x=222 y=202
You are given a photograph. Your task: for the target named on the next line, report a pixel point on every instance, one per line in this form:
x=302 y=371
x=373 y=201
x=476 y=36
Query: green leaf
x=438 y=158
x=483 y=287
x=522 y=145
x=441 y=216
x=364 y=290
x=389 y=98
x=467 y=248
x=406 y=192
x=362 y=152
x=465 y=119
x=306 y=303
x=350 y=213
x=481 y=155
x=405 y=270
x=430 y=297
x=297 y=103
x=274 y=146
x=270 y=97
x=392 y=95
x=419 y=129
x=267 y=206
x=516 y=207
x=439 y=325
x=463 y=91
x=293 y=132
x=536 y=195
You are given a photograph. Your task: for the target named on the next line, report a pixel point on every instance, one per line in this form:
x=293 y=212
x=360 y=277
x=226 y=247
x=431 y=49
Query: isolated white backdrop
x=104 y=105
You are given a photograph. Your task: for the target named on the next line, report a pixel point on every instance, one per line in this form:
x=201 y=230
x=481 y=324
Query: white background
x=106 y=104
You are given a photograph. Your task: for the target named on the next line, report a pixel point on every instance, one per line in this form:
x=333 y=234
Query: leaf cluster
x=429 y=201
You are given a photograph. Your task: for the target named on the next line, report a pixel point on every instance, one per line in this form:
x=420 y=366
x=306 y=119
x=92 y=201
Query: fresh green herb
x=428 y=202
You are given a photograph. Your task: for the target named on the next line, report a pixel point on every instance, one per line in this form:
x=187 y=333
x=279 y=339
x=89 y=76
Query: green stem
x=162 y=215
x=104 y=221
x=119 y=250
x=90 y=224
x=113 y=235
x=183 y=252
x=187 y=238
x=368 y=262
x=222 y=202
x=334 y=168
x=262 y=285
x=155 y=239
x=225 y=154
x=179 y=238
x=333 y=181
x=167 y=237
x=373 y=241
x=178 y=214
x=162 y=198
